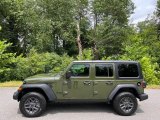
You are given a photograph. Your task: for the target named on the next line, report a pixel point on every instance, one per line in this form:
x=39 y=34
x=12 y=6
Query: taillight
x=143 y=84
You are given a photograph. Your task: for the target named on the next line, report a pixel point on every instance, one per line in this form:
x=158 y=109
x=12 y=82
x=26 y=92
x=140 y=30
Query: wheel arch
x=124 y=88
x=43 y=89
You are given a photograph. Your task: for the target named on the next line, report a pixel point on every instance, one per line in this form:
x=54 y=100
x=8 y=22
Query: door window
x=104 y=70
x=80 y=70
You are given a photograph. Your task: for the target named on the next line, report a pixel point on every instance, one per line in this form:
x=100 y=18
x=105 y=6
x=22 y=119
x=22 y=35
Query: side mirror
x=68 y=74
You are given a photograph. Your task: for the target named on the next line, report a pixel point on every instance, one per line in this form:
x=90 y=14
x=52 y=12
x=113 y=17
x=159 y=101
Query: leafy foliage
x=18 y=68
x=36 y=63
x=87 y=55
x=6 y=60
x=38 y=35
x=149 y=70
x=141 y=47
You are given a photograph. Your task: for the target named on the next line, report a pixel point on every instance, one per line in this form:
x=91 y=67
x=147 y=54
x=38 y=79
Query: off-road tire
x=41 y=104
x=120 y=107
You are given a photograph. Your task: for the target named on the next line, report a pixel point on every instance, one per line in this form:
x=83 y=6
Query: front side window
x=128 y=70
x=104 y=70
x=80 y=70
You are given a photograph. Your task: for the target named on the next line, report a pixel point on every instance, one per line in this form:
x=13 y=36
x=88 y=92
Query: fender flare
x=122 y=86
x=44 y=87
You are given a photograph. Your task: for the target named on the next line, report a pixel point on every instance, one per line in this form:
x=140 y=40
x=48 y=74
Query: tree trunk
x=95 y=49
x=79 y=40
x=96 y=52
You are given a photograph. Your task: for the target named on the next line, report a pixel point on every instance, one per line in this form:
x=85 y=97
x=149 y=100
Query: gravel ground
x=147 y=110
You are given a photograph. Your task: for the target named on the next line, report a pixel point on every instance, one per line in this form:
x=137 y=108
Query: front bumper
x=143 y=96
x=16 y=95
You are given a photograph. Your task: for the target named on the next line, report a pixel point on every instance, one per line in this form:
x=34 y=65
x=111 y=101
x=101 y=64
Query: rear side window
x=104 y=70
x=128 y=70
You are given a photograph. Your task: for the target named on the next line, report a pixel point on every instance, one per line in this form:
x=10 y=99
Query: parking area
x=147 y=110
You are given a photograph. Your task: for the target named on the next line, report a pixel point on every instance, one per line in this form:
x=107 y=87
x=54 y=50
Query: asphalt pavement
x=147 y=110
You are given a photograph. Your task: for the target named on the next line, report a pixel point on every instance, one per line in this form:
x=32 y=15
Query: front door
x=79 y=85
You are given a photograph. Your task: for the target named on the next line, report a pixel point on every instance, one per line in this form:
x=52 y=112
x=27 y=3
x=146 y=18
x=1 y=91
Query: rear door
x=104 y=80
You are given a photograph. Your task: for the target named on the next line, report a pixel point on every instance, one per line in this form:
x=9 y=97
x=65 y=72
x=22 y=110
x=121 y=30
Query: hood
x=42 y=78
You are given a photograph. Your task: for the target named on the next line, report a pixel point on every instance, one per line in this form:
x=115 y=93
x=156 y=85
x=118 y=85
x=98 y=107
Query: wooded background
x=38 y=36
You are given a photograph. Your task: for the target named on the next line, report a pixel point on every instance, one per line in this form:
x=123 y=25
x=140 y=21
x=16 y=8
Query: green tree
x=6 y=61
x=148 y=36
x=8 y=21
x=144 y=46
x=110 y=21
x=60 y=15
x=22 y=25
x=158 y=18
x=80 y=10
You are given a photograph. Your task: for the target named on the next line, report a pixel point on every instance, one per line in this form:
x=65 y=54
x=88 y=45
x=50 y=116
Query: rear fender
x=123 y=86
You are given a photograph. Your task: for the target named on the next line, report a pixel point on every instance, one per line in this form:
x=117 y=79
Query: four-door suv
x=117 y=82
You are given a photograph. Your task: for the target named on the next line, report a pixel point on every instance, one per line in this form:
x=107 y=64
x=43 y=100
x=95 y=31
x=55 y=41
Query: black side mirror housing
x=68 y=74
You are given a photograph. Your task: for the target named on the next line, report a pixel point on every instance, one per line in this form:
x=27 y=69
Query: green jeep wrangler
x=116 y=82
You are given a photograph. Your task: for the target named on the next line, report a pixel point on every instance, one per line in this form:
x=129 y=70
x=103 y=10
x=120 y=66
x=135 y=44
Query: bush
x=149 y=70
x=36 y=63
x=87 y=55
x=18 y=68
x=6 y=61
x=65 y=60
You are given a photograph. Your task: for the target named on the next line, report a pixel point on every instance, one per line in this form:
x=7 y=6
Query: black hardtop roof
x=105 y=61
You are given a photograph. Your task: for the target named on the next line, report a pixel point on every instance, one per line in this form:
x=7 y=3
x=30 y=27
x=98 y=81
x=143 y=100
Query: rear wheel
x=32 y=104
x=125 y=103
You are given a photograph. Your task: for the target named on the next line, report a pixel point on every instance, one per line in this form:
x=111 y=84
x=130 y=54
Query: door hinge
x=65 y=92
x=65 y=82
x=109 y=83
x=95 y=83
x=95 y=92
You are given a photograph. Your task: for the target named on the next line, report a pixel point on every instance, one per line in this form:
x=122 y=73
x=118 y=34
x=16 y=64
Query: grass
x=18 y=83
x=153 y=86
x=11 y=84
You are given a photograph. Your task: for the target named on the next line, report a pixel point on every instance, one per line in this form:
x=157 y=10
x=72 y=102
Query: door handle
x=87 y=83
x=109 y=83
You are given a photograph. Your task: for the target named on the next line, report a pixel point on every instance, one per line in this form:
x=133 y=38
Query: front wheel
x=125 y=103
x=32 y=104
